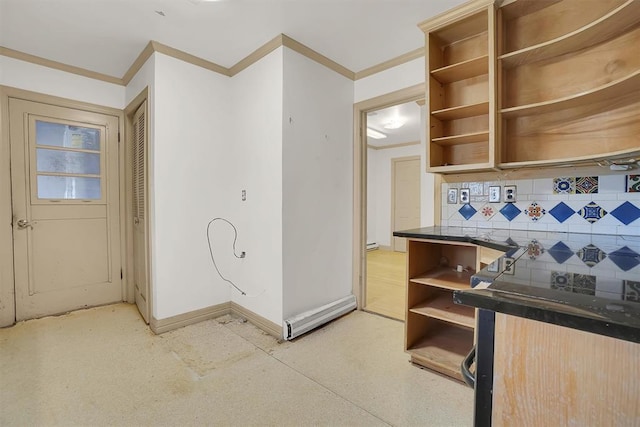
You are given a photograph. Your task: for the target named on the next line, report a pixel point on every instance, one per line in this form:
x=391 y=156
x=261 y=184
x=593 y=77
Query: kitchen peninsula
x=558 y=332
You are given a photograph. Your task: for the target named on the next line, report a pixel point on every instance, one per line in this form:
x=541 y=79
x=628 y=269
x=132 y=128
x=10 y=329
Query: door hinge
x=121 y=275
x=118 y=137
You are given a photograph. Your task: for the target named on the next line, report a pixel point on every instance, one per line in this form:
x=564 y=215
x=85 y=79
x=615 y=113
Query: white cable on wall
x=242 y=255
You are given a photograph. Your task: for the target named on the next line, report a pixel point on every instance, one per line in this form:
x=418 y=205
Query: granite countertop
x=589 y=282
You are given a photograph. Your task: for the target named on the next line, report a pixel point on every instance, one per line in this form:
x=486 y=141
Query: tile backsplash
x=607 y=204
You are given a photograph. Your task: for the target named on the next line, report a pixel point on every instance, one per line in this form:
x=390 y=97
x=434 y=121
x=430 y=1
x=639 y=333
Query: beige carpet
x=103 y=367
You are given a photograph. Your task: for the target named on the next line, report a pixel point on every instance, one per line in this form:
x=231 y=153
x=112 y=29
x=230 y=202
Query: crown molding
x=15 y=54
x=273 y=44
x=256 y=55
x=315 y=56
x=394 y=62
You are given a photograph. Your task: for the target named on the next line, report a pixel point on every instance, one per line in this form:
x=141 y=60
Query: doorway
x=62 y=160
x=393 y=153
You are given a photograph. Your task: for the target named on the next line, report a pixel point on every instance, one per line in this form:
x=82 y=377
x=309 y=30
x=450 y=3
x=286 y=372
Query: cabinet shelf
x=443 y=308
x=466 y=138
x=462 y=70
x=443 y=349
x=607 y=27
x=614 y=89
x=462 y=111
x=445 y=278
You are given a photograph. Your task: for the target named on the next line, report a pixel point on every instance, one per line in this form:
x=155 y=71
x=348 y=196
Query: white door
x=405 y=202
x=140 y=251
x=65 y=202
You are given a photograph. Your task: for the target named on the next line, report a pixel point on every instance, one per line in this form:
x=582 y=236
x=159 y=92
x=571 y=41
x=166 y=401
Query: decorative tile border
x=587 y=185
x=586 y=204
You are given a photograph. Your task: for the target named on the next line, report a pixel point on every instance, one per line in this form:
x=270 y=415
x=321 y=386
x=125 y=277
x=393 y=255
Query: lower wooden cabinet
x=439 y=333
x=549 y=375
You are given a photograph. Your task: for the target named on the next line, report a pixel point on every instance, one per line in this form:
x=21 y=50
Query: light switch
x=494 y=194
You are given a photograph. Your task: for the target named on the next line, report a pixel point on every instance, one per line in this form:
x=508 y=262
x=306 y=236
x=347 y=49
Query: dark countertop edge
x=530 y=309
x=465 y=239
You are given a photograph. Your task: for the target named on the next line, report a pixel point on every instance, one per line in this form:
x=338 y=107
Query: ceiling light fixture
x=375 y=134
x=393 y=124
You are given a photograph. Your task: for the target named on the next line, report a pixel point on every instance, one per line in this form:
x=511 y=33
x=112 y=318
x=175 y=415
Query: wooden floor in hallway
x=386 y=276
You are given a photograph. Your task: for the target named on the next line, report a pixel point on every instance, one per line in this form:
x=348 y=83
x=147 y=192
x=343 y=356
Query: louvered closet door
x=140 y=248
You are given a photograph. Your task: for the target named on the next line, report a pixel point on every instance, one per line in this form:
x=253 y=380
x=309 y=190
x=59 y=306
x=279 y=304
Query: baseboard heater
x=304 y=322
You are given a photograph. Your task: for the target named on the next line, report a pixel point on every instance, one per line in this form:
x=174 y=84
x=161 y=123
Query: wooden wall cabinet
x=532 y=83
x=439 y=333
x=460 y=73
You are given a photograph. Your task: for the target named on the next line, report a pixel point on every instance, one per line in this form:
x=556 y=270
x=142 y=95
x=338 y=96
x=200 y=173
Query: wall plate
x=509 y=193
x=509 y=266
x=465 y=195
x=494 y=194
x=452 y=196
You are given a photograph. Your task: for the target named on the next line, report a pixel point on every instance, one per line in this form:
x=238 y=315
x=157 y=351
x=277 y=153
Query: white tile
x=525 y=186
x=543 y=186
x=611 y=184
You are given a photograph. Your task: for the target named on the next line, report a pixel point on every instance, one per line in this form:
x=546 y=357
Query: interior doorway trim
x=360 y=110
x=7 y=278
x=129 y=113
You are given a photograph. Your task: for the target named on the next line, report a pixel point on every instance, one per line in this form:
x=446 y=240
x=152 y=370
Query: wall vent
x=304 y=322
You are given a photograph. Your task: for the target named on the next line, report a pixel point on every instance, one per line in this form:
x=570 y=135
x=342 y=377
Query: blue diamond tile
x=560 y=252
x=625 y=258
x=467 y=211
x=561 y=212
x=626 y=213
x=592 y=212
x=591 y=255
x=509 y=211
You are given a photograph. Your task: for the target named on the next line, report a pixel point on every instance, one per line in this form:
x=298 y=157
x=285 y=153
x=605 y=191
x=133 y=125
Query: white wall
x=36 y=78
x=317 y=184
x=191 y=176
x=379 y=227
x=256 y=144
x=402 y=76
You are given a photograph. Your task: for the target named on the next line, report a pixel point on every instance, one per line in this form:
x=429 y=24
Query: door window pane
x=61 y=135
x=68 y=187
x=67 y=161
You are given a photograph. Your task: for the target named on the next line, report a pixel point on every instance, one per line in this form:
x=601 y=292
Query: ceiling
x=106 y=36
x=407 y=114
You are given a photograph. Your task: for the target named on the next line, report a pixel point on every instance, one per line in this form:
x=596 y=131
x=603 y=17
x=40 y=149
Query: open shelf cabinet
x=460 y=76
x=439 y=333
x=569 y=81
x=523 y=83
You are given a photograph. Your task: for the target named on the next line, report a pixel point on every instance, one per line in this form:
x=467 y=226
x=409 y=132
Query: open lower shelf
x=466 y=138
x=612 y=90
x=462 y=111
x=443 y=308
x=462 y=70
x=607 y=27
x=443 y=349
x=445 y=277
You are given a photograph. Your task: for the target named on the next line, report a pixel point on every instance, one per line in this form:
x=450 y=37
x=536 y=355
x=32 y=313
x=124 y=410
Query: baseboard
x=385 y=248
x=170 y=323
x=266 y=325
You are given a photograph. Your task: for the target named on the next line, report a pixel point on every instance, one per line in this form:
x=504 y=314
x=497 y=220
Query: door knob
x=23 y=223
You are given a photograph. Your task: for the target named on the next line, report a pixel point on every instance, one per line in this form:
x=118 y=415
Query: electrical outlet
x=244 y=195
x=509 y=193
x=494 y=194
x=509 y=266
x=465 y=195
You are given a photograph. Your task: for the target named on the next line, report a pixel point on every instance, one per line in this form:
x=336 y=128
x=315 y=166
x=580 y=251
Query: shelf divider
x=462 y=70
x=462 y=111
